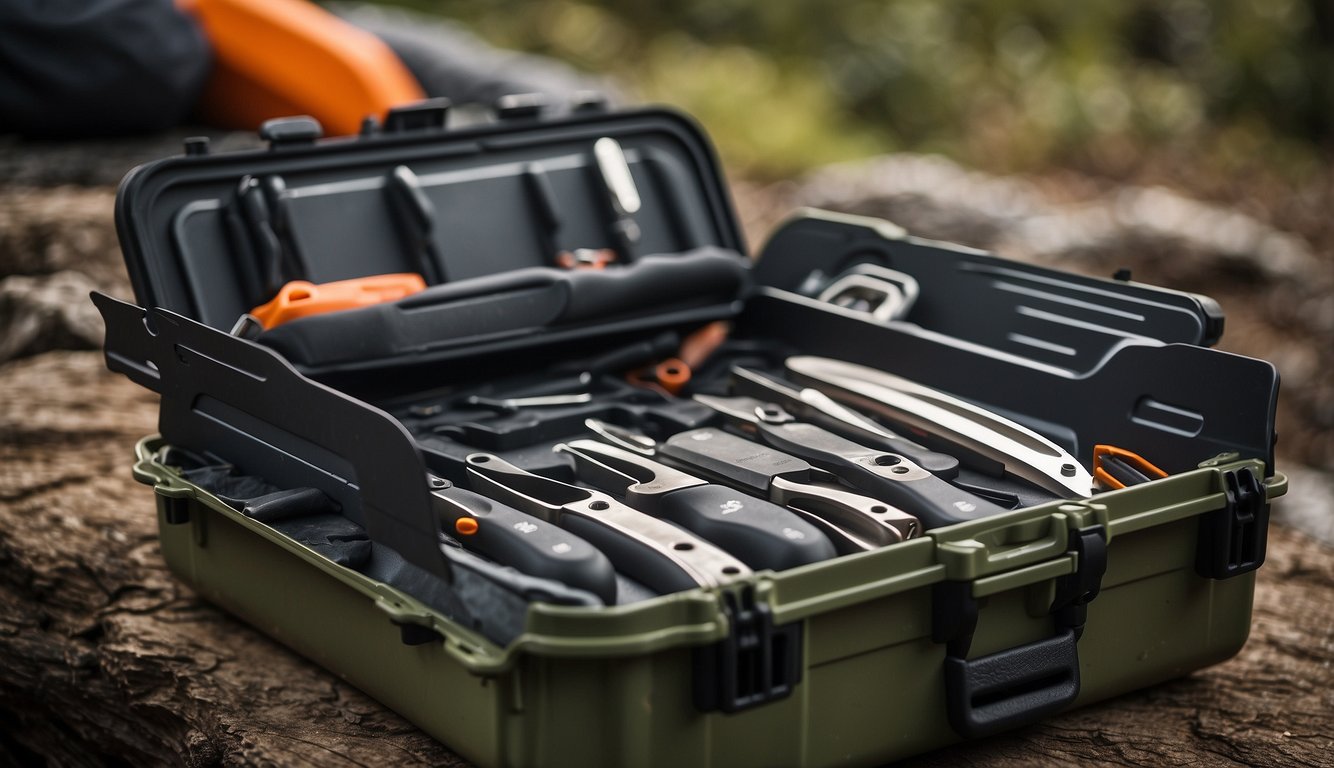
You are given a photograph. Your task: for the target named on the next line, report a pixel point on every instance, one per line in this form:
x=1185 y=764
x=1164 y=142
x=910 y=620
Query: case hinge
x=1232 y=540
x=756 y=663
x=1024 y=684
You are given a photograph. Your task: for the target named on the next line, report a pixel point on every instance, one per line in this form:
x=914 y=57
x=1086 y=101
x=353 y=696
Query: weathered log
x=106 y=658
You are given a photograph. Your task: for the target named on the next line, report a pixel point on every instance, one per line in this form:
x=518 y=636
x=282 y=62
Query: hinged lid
x=211 y=236
x=1053 y=318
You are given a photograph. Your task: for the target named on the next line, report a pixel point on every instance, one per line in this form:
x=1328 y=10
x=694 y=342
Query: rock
x=46 y=230
x=101 y=162
x=1309 y=502
x=47 y=312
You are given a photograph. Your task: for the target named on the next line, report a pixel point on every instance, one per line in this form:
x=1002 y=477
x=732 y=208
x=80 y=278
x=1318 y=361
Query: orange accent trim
x=275 y=58
x=301 y=299
x=466 y=526
x=1130 y=457
x=673 y=374
x=700 y=345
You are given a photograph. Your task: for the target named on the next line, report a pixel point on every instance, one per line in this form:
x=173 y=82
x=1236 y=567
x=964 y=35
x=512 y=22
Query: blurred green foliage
x=1002 y=84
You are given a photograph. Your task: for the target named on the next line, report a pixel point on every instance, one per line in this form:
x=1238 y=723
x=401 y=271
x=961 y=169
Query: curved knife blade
x=1023 y=452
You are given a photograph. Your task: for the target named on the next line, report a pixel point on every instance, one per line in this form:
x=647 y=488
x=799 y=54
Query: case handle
x=1024 y=684
x=1012 y=687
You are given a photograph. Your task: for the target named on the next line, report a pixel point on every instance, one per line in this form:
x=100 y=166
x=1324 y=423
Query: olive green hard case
x=966 y=631
x=613 y=686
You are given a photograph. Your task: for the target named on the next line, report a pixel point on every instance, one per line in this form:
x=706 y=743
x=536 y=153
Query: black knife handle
x=526 y=543
x=732 y=459
x=759 y=533
x=939 y=464
x=933 y=501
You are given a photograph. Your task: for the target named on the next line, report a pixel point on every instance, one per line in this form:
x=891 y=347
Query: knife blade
x=1021 y=451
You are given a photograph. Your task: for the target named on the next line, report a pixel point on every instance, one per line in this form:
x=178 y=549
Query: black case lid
x=485 y=199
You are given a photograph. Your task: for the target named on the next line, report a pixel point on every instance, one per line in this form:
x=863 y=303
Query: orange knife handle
x=300 y=298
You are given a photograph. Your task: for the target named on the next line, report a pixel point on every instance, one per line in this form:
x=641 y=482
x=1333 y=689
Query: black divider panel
x=1055 y=318
x=1176 y=404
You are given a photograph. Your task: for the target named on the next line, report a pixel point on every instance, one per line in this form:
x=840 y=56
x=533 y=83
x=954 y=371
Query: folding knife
x=524 y=542
x=854 y=522
x=813 y=406
x=758 y=532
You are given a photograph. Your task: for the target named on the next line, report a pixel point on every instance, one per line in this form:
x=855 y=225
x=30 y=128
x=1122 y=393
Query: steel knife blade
x=1021 y=451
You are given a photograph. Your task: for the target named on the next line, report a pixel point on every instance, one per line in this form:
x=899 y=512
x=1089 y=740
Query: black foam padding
x=332 y=536
x=485 y=597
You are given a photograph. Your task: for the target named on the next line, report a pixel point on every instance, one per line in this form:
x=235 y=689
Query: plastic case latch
x=756 y=663
x=1075 y=591
x=1232 y=540
x=1024 y=684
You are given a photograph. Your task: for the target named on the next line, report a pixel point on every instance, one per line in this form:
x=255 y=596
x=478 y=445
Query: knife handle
x=941 y=465
x=935 y=502
x=759 y=533
x=526 y=543
x=887 y=476
x=655 y=553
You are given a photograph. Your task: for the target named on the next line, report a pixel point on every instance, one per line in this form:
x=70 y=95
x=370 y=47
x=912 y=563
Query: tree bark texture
x=106 y=659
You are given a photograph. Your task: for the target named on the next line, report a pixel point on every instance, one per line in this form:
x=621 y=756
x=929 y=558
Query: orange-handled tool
x=300 y=298
x=673 y=374
x=1117 y=468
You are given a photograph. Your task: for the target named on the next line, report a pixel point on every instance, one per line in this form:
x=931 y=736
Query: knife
x=760 y=533
x=887 y=476
x=947 y=420
x=858 y=522
x=526 y=543
x=814 y=406
x=657 y=554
